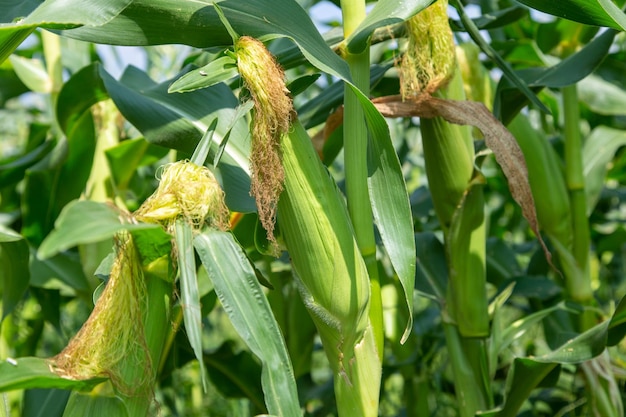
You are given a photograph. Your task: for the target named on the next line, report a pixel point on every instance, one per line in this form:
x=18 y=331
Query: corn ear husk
x=112 y=341
x=331 y=273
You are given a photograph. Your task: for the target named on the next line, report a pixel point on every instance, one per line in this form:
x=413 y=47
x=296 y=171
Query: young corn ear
x=112 y=341
x=331 y=273
x=546 y=180
x=272 y=111
x=449 y=157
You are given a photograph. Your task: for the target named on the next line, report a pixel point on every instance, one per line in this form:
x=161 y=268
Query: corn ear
x=546 y=181
x=318 y=234
x=331 y=273
x=449 y=158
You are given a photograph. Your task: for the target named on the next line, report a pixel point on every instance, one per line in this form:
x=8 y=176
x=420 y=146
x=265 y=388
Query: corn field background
x=410 y=208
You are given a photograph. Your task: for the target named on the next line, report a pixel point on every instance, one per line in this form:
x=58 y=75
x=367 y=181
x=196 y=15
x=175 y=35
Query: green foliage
x=407 y=273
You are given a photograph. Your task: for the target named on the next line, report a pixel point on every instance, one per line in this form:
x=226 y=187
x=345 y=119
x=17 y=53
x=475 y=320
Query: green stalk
x=471 y=393
x=355 y=154
x=459 y=203
x=579 y=289
x=52 y=55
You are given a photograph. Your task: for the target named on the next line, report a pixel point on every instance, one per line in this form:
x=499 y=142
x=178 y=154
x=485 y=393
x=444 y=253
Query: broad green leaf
x=526 y=374
x=391 y=207
x=190 y=296
x=83 y=222
x=385 y=12
x=84 y=89
x=57 y=179
x=24 y=373
x=57 y=14
x=13 y=171
x=598 y=150
x=243 y=300
x=590 y=12
x=32 y=73
x=179 y=120
x=10 y=84
x=602 y=97
x=125 y=158
x=14 y=271
x=44 y=402
x=217 y=71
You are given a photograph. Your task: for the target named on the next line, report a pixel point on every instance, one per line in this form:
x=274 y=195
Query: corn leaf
x=385 y=12
x=83 y=222
x=598 y=150
x=590 y=12
x=19 y=21
x=179 y=121
x=242 y=297
x=217 y=71
x=391 y=206
x=80 y=405
x=14 y=271
x=45 y=402
x=190 y=295
x=526 y=374
x=29 y=372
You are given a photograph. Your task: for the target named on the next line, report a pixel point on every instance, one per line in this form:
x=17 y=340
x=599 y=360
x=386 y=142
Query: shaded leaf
x=44 y=402
x=14 y=271
x=526 y=374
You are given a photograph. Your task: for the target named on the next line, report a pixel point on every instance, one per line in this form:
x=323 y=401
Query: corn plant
x=398 y=210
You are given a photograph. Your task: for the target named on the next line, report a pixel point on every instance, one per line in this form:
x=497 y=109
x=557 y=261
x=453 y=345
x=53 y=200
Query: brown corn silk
x=265 y=80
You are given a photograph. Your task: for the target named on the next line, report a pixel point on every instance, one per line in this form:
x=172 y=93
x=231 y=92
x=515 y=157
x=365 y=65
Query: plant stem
x=355 y=151
x=52 y=55
x=579 y=289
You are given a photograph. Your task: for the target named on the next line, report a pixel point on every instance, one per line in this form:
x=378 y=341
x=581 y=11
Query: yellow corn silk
x=429 y=61
x=272 y=111
x=112 y=341
x=187 y=191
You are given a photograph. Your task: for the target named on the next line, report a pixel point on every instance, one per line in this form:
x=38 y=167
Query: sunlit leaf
x=24 y=373
x=243 y=300
x=591 y=12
